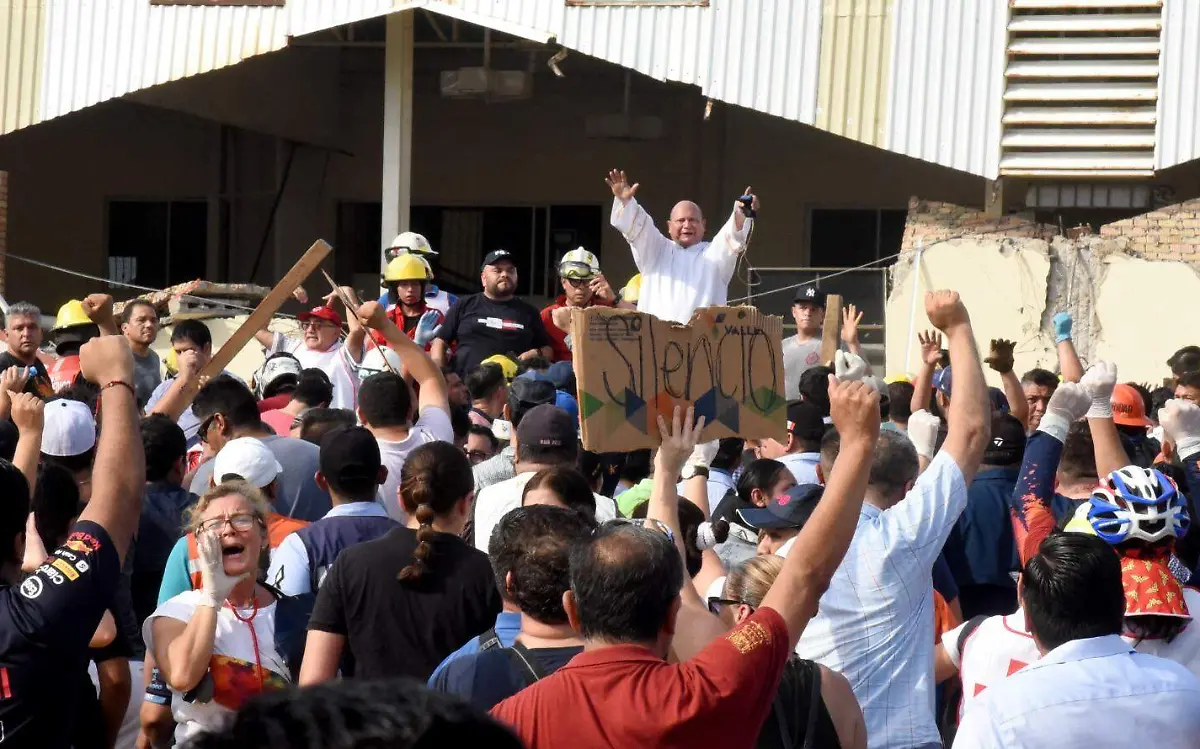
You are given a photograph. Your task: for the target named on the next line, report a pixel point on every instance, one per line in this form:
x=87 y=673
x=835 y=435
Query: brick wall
x=930 y=221
x=1170 y=233
x=3 y=225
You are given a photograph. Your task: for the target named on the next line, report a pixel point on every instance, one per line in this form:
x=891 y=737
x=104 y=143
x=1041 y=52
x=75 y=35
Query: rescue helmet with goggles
x=579 y=264
x=408 y=242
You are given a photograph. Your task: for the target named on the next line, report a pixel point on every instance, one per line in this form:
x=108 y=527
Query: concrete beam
x=397 y=127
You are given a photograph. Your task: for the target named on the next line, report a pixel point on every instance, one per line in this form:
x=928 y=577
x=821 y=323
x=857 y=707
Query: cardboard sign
x=631 y=367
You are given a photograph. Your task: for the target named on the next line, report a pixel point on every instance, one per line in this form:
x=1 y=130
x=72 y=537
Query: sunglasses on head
x=715 y=603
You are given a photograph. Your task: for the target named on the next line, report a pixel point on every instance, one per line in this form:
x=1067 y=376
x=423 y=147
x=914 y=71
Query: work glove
x=1180 y=421
x=1099 y=381
x=216 y=585
x=849 y=367
x=923 y=431
x=427 y=328
x=1070 y=403
x=1062 y=327
x=702 y=455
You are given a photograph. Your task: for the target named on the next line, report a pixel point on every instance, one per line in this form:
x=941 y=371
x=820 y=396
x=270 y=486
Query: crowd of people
x=391 y=535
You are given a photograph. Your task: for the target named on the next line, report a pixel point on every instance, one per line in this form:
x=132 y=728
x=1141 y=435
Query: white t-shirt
x=676 y=280
x=498 y=500
x=432 y=426
x=232 y=665
x=1000 y=646
x=334 y=362
x=798 y=357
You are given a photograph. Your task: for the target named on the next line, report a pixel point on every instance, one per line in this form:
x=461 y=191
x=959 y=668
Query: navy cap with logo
x=810 y=295
x=806 y=421
x=547 y=427
x=792 y=509
x=1007 y=445
x=498 y=256
x=530 y=390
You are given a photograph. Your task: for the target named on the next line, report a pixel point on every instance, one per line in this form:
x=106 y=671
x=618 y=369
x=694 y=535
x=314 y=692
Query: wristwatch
x=693 y=471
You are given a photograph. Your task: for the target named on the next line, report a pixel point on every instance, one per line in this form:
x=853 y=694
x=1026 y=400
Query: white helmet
x=373 y=362
x=579 y=263
x=408 y=241
x=277 y=365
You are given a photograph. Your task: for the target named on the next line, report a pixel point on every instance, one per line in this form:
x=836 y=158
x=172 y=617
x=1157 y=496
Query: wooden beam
x=993 y=198
x=267 y=308
x=831 y=328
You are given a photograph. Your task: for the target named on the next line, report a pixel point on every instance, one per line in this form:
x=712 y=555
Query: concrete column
x=397 y=127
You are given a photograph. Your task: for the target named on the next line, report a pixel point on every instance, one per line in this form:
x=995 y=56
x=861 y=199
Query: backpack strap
x=814 y=704
x=520 y=655
x=967 y=630
x=489 y=640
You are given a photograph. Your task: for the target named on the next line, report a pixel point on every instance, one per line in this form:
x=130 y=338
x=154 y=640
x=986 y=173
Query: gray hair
x=22 y=309
x=894 y=466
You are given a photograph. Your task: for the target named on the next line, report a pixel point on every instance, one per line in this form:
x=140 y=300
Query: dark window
x=157 y=243
x=845 y=238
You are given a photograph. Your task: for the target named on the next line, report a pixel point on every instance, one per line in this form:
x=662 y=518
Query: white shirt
x=875 y=622
x=803 y=466
x=798 y=358
x=676 y=280
x=433 y=425
x=289 y=570
x=334 y=361
x=1086 y=694
x=232 y=665
x=498 y=500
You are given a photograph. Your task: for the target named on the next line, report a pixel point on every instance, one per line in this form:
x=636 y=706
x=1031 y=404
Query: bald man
x=682 y=272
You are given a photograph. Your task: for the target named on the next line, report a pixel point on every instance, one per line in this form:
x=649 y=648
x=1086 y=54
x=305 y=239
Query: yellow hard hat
x=893 y=379
x=633 y=289
x=406 y=267
x=172 y=363
x=508 y=366
x=71 y=314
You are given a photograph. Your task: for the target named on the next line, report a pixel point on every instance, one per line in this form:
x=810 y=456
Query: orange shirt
x=626 y=696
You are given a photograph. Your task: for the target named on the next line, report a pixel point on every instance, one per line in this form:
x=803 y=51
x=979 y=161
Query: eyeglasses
x=577 y=283
x=715 y=604
x=241 y=522
x=314 y=322
x=476 y=456
x=202 y=431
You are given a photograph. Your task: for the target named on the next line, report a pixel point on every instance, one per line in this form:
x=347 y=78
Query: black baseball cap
x=792 y=509
x=811 y=295
x=806 y=421
x=498 y=256
x=526 y=393
x=547 y=427
x=1007 y=445
x=349 y=457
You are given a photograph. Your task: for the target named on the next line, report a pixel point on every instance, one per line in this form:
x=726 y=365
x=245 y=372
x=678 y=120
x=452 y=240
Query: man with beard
x=492 y=322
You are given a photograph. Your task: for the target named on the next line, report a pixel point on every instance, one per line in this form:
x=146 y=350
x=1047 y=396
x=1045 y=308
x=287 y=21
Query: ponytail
x=435 y=477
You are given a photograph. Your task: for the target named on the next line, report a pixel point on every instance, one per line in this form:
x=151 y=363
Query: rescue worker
x=406 y=279
x=583 y=285
x=415 y=244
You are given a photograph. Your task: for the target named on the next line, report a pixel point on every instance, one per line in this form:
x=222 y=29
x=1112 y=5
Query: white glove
x=702 y=455
x=923 y=431
x=1180 y=421
x=215 y=584
x=1070 y=403
x=849 y=367
x=1099 y=381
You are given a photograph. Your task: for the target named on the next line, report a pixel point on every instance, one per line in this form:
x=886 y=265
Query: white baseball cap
x=246 y=458
x=69 y=428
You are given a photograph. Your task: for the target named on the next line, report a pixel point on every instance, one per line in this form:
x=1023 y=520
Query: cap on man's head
x=507 y=365
x=350 y=457
x=998 y=400
x=328 y=314
x=495 y=257
x=562 y=374
x=1129 y=410
x=806 y=421
x=246 y=459
x=527 y=392
x=1007 y=445
x=547 y=427
x=792 y=509
x=68 y=428
x=810 y=295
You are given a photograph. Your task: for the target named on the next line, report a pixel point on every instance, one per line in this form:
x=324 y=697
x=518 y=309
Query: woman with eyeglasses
x=216 y=646
x=814 y=707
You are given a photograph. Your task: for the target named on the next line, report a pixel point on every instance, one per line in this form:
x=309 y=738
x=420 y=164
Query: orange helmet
x=1129 y=409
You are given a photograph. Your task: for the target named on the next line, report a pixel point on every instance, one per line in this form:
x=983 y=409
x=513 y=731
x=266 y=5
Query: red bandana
x=1150 y=588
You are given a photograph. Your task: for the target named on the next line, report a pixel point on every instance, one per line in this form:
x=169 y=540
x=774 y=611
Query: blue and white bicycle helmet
x=1137 y=503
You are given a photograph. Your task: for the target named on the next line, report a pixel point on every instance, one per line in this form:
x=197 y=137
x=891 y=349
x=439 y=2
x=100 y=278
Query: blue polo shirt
x=981 y=550
x=508 y=625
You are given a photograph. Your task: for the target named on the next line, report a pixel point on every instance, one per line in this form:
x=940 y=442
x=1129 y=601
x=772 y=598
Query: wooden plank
x=831 y=327
x=267 y=308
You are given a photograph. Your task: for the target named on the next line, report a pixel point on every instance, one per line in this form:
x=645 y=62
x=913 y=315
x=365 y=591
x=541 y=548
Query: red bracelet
x=123 y=384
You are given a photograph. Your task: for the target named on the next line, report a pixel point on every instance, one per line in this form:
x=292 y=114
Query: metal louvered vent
x=1081 y=88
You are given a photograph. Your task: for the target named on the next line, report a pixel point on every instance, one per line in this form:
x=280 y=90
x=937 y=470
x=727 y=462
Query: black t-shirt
x=395 y=628
x=487 y=678
x=39 y=379
x=46 y=623
x=483 y=327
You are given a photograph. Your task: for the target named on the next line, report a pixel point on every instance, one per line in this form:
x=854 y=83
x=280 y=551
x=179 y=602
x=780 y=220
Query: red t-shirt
x=558 y=337
x=626 y=696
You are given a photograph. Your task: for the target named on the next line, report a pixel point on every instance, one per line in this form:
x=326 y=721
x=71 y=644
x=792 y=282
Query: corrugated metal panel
x=856 y=38
x=101 y=49
x=1179 y=85
x=947 y=81
x=20 y=62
